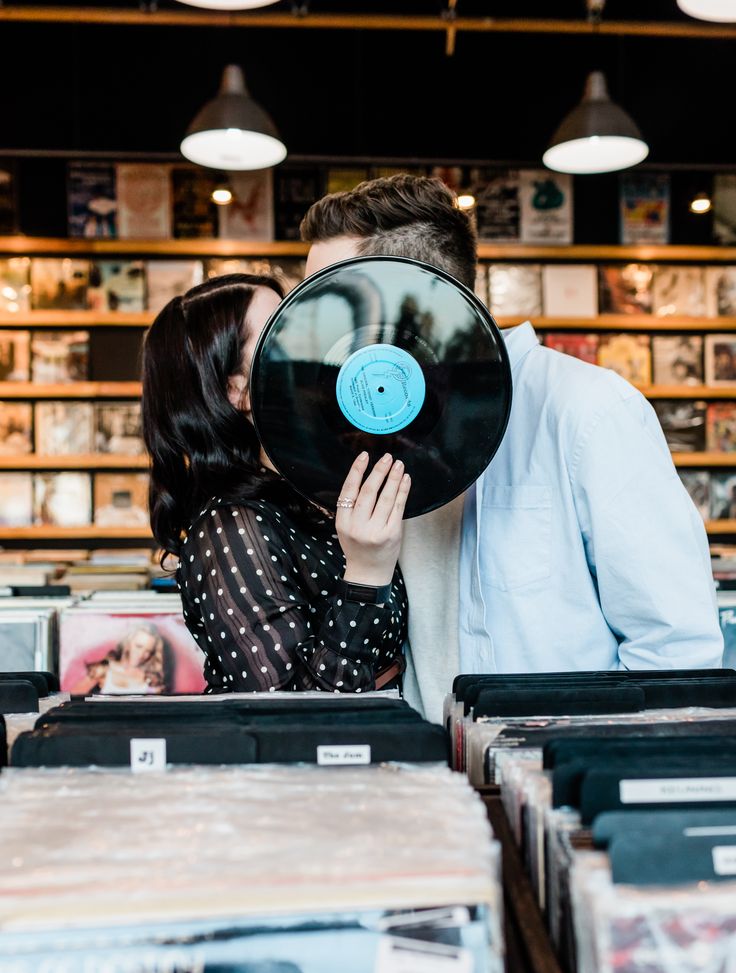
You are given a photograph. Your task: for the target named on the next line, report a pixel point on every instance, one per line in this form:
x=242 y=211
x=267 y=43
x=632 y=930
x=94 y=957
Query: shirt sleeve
x=646 y=543
x=259 y=620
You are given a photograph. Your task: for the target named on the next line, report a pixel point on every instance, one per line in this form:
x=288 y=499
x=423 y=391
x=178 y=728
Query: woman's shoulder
x=217 y=512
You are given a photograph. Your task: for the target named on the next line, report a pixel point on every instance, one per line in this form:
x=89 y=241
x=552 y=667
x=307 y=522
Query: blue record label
x=380 y=389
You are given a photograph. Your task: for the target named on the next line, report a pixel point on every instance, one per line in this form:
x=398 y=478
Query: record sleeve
x=546 y=207
x=644 y=207
x=515 y=290
x=64 y=428
x=497 y=205
x=581 y=346
x=15 y=428
x=59 y=284
x=724 y=207
x=678 y=291
x=723 y=496
x=121 y=500
x=343 y=180
x=8 y=200
x=91 y=199
x=16 y=499
x=15 y=285
x=382 y=354
x=627 y=354
x=144 y=201
x=720 y=291
x=678 y=359
x=250 y=214
x=698 y=486
x=117 y=285
x=720 y=359
x=570 y=290
x=297 y=187
x=62 y=499
x=683 y=424
x=15 y=356
x=195 y=214
x=626 y=289
x=118 y=428
x=59 y=356
x=167 y=279
x=721 y=427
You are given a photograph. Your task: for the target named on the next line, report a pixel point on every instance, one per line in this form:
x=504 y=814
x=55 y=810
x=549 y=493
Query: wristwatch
x=366 y=594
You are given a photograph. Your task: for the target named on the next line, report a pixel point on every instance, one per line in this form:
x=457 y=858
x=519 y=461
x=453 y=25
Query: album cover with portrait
x=118 y=428
x=626 y=289
x=15 y=356
x=62 y=499
x=130 y=651
x=627 y=354
x=683 y=424
x=117 y=285
x=59 y=283
x=721 y=427
x=15 y=285
x=59 y=356
x=15 y=428
x=698 y=486
x=678 y=291
x=678 y=359
x=720 y=359
x=167 y=279
x=16 y=499
x=582 y=346
x=64 y=428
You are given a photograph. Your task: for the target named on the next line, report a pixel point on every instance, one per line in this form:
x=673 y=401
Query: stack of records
x=264 y=869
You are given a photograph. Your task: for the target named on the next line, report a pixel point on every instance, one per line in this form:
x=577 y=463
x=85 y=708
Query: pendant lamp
x=597 y=135
x=720 y=11
x=232 y=131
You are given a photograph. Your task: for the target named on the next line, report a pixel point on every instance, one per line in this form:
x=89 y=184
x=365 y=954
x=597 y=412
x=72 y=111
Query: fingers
x=402 y=495
x=387 y=496
x=351 y=486
x=366 y=500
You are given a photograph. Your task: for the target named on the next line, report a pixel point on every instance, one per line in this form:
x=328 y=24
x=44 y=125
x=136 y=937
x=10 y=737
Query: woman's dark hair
x=201 y=445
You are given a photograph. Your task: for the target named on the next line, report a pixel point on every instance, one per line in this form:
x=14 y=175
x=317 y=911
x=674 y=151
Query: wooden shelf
x=91 y=461
x=627 y=322
x=70 y=390
x=41 y=532
x=41 y=246
x=670 y=253
x=688 y=391
x=76 y=319
x=721 y=526
x=704 y=459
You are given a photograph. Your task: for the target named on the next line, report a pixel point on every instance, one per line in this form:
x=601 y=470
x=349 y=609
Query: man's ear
x=237 y=391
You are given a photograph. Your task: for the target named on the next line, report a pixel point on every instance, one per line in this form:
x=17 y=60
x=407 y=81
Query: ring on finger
x=345 y=502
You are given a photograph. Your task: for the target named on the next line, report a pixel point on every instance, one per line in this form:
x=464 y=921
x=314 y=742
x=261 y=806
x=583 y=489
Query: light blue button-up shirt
x=580 y=547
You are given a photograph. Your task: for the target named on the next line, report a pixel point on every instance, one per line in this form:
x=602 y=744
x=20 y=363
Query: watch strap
x=365 y=594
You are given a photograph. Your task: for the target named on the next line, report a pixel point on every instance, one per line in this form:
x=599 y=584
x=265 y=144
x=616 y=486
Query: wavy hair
x=201 y=445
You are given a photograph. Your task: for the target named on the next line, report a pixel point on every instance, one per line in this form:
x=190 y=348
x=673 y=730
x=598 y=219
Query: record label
x=380 y=389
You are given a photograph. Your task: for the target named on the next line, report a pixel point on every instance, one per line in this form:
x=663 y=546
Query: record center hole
x=381 y=388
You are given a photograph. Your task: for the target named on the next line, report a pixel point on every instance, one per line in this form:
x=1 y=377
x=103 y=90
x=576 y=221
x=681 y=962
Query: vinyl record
x=382 y=354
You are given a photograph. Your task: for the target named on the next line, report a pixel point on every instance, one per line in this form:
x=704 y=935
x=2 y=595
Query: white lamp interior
x=599 y=153
x=233 y=149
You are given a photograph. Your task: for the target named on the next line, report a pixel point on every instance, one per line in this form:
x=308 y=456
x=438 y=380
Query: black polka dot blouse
x=259 y=593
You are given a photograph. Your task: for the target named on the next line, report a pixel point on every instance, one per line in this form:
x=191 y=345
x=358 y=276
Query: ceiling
x=83 y=87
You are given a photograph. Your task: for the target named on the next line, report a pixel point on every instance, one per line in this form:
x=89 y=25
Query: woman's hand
x=370 y=530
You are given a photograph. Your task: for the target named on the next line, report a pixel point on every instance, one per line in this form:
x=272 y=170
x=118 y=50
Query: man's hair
x=399 y=216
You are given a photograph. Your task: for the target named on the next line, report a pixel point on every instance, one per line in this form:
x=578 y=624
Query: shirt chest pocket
x=515 y=535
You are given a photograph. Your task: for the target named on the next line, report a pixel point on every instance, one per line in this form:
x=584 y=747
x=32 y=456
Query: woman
x=277 y=593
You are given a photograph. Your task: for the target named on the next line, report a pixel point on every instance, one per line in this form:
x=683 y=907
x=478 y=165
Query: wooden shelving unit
x=53 y=246
x=40 y=532
x=76 y=319
x=96 y=461
x=688 y=391
x=628 y=322
x=683 y=460
x=721 y=526
x=70 y=390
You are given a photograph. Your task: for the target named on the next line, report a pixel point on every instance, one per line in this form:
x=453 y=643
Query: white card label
x=398 y=955
x=343 y=754
x=724 y=859
x=675 y=789
x=147 y=755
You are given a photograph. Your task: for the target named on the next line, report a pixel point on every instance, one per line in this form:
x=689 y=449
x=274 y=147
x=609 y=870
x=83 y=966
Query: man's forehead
x=324 y=253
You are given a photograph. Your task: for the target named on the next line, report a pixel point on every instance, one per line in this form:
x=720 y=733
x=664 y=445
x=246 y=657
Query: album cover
x=515 y=290
x=677 y=359
x=59 y=284
x=723 y=496
x=118 y=428
x=121 y=499
x=221 y=266
x=128 y=652
x=481 y=283
x=15 y=428
x=497 y=205
x=8 y=200
x=296 y=189
x=721 y=427
x=117 y=285
x=720 y=359
x=546 y=207
x=16 y=499
x=15 y=285
x=627 y=354
x=724 y=208
x=144 y=201
x=343 y=180
x=18 y=642
x=64 y=428
x=15 y=356
x=62 y=499
x=167 y=279
x=59 y=356
x=250 y=215
x=720 y=291
x=195 y=215
x=570 y=290
x=91 y=199
x=582 y=346
x=644 y=200
x=678 y=290
x=289 y=272
x=626 y=289
x=683 y=424
x=452 y=176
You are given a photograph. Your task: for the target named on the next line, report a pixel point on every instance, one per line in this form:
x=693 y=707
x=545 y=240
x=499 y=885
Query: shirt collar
x=519 y=342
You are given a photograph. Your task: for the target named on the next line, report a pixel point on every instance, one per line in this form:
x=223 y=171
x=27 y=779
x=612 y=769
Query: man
x=578 y=548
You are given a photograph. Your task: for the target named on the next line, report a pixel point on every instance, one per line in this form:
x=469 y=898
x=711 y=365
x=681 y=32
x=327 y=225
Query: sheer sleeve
x=250 y=581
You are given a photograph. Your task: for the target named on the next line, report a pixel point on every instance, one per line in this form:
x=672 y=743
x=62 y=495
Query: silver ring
x=345 y=502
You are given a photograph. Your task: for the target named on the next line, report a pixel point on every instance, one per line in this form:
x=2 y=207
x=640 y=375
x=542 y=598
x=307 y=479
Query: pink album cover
x=582 y=346
x=128 y=653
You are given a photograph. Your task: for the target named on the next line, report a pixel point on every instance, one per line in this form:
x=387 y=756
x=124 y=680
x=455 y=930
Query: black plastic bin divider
x=562 y=702
x=562 y=751
x=549 y=687
x=611 y=823
x=502 y=679
x=18 y=696
x=52 y=680
x=36 y=679
x=3 y=743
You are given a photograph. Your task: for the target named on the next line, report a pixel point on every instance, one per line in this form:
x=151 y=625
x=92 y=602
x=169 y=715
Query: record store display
x=381 y=354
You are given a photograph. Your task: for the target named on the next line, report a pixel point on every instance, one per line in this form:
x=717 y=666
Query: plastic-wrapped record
x=382 y=354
